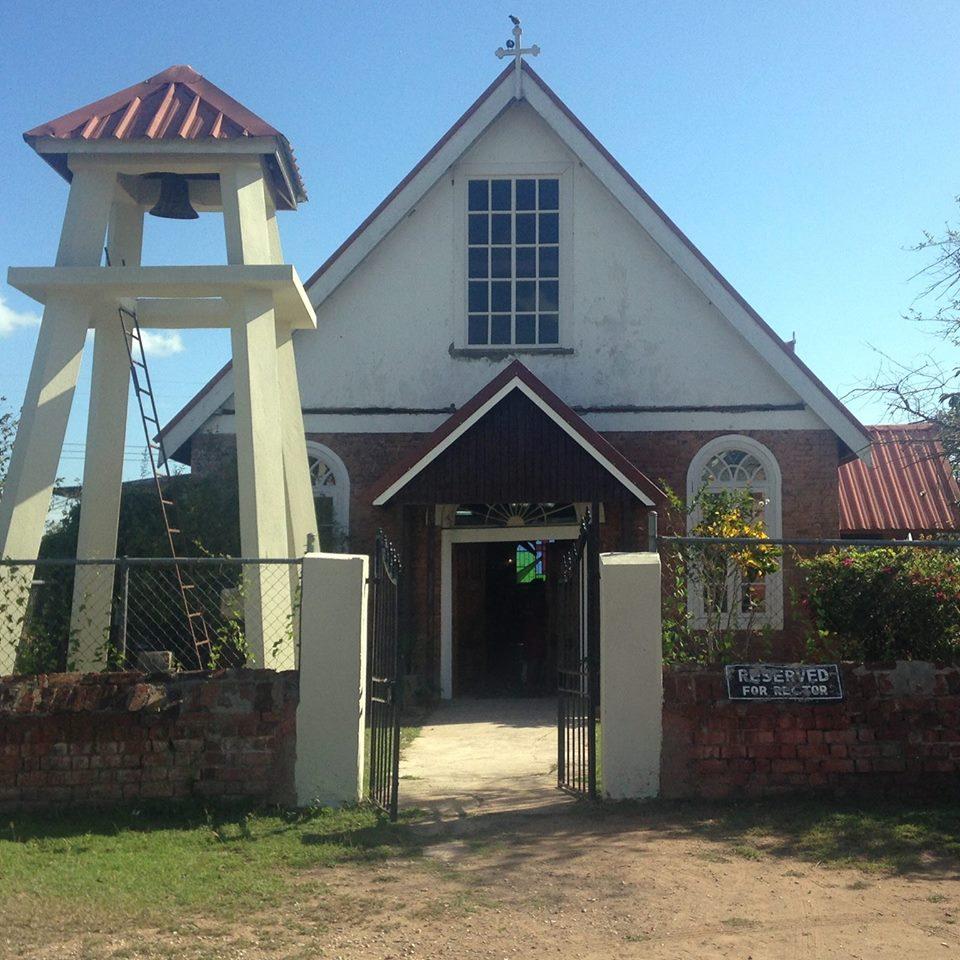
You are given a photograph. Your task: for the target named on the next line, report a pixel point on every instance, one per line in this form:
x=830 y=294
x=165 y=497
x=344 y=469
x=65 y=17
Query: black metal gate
x=383 y=680
x=578 y=659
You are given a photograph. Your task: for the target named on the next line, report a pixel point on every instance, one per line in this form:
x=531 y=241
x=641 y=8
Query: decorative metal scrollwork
x=514 y=514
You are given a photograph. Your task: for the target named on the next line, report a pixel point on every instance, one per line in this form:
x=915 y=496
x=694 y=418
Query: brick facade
x=114 y=737
x=808 y=461
x=123 y=737
x=897 y=730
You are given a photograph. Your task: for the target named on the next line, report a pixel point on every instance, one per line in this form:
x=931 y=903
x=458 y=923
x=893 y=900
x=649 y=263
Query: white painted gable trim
x=695 y=270
x=514 y=383
x=201 y=412
x=648 y=218
x=412 y=193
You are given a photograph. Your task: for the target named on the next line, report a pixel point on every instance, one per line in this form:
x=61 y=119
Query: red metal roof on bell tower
x=178 y=104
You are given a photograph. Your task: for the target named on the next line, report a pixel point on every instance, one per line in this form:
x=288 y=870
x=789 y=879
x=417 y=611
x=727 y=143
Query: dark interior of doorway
x=504 y=641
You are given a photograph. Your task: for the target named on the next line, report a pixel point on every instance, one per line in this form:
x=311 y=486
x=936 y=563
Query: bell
x=174 y=201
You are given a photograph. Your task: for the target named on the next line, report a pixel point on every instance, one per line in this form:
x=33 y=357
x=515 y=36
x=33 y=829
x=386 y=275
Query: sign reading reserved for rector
x=783 y=681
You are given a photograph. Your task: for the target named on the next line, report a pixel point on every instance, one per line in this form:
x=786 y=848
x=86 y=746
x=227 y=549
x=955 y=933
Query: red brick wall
x=114 y=737
x=808 y=461
x=897 y=730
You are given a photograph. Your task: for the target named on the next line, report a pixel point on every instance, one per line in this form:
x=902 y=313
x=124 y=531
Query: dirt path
x=478 y=756
x=571 y=886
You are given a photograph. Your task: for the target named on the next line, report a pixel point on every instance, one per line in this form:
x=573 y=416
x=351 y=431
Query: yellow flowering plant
x=716 y=591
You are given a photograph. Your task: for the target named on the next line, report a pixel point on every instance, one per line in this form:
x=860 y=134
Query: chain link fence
x=729 y=598
x=148 y=614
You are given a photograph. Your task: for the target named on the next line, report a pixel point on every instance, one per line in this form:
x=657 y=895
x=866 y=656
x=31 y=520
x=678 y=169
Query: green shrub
x=884 y=604
x=208 y=514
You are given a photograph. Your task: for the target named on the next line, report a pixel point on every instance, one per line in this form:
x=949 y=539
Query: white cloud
x=11 y=320
x=161 y=344
x=157 y=344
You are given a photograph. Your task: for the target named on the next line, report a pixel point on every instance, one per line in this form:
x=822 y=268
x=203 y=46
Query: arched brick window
x=331 y=496
x=741 y=463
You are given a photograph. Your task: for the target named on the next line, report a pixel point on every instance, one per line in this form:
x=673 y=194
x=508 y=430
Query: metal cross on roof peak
x=515 y=49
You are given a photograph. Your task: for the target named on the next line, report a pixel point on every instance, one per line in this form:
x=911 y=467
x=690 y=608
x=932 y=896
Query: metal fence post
x=593 y=644
x=125 y=602
x=651 y=531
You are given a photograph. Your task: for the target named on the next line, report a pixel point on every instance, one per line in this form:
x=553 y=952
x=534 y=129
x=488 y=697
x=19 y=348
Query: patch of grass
x=884 y=835
x=488 y=845
x=549 y=900
x=167 y=862
x=460 y=904
x=407 y=736
x=937 y=898
x=747 y=851
x=739 y=923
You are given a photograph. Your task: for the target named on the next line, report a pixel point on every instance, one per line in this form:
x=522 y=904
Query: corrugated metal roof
x=909 y=488
x=178 y=104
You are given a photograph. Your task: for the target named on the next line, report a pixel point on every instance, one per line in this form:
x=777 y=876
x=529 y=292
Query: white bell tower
x=168 y=145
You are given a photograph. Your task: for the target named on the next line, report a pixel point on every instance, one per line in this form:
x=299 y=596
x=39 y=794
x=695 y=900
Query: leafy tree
x=207 y=511
x=208 y=514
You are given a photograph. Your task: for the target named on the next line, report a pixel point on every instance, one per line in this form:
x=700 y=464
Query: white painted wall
x=634 y=321
x=333 y=670
x=641 y=332
x=631 y=674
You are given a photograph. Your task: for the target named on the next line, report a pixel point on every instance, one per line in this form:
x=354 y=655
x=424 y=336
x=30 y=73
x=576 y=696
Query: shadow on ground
x=884 y=835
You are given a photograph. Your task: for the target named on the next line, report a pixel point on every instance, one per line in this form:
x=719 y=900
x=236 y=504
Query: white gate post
x=333 y=674
x=631 y=674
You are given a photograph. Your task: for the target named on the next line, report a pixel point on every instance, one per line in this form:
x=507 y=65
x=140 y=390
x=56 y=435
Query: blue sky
x=803 y=146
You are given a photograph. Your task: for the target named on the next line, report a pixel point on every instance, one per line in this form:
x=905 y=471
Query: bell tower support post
x=103 y=462
x=301 y=511
x=50 y=389
x=302 y=534
x=268 y=606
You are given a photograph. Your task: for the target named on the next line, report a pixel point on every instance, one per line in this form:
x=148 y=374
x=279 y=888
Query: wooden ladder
x=160 y=466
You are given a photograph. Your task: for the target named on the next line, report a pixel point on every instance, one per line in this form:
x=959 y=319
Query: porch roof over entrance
x=515 y=440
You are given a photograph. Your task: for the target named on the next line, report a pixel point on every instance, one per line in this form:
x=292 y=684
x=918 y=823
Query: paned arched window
x=331 y=496
x=739 y=463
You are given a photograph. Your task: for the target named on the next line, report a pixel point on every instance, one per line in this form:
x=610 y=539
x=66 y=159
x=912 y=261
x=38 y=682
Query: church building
x=515 y=335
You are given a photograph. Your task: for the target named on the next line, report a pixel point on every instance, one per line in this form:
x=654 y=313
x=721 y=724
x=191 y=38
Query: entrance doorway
x=504 y=643
x=519 y=654
x=498 y=595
